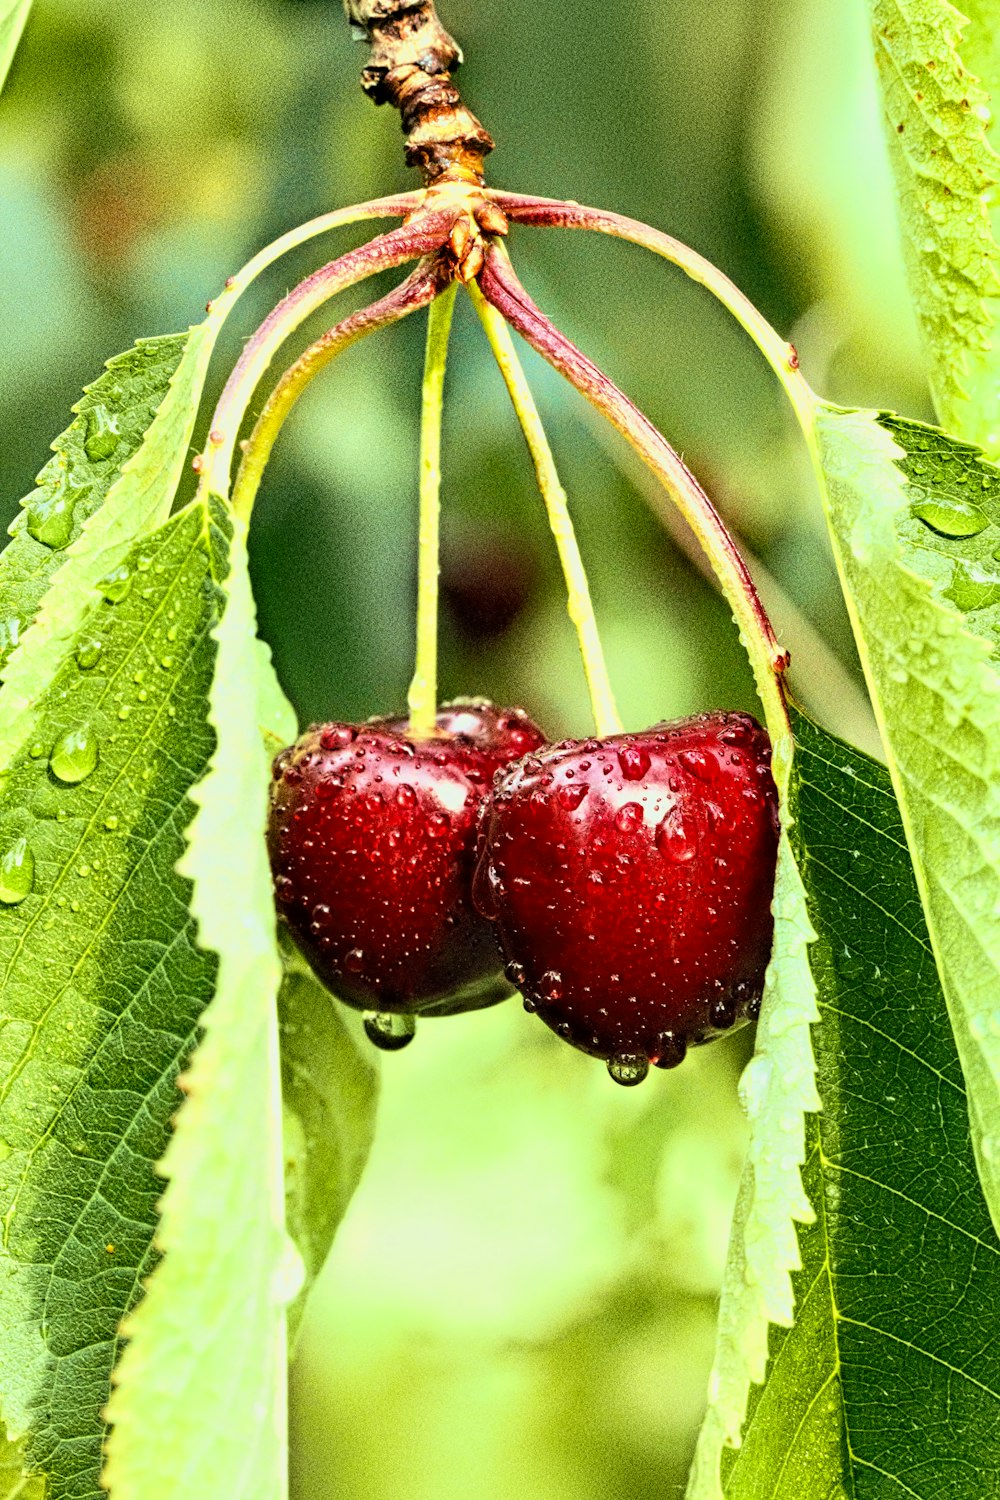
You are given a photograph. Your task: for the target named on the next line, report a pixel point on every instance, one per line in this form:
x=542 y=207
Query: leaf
x=932 y=674
x=936 y=115
x=199 y=1406
x=330 y=1090
x=889 y=1382
x=981 y=52
x=275 y=715
x=137 y=502
x=13 y=19
x=101 y=986
x=110 y=422
x=778 y=1089
x=14 y=1484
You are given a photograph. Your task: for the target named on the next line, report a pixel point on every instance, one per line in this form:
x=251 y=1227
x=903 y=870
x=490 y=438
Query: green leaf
x=329 y=1071
x=778 y=1089
x=199 y=1405
x=936 y=116
x=889 y=1382
x=932 y=674
x=330 y=1090
x=138 y=502
x=981 y=53
x=13 y=19
x=111 y=420
x=14 y=1483
x=275 y=714
x=102 y=986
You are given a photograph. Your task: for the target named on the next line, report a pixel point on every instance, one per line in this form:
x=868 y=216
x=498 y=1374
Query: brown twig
x=410 y=65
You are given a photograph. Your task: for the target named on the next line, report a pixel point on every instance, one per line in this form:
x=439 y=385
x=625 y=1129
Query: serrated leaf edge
x=241 y=903
x=138 y=502
x=778 y=1088
x=974 y=693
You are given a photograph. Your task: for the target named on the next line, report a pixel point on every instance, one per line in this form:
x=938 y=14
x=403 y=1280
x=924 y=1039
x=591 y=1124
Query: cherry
x=630 y=880
x=372 y=843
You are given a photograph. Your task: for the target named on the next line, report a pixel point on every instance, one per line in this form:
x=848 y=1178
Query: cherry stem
x=579 y=603
x=421 y=236
x=415 y=292
x=780 y=355
x=422 y=697
x=502 y=288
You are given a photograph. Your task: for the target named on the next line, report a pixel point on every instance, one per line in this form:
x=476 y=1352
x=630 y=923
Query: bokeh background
x=521 y=1303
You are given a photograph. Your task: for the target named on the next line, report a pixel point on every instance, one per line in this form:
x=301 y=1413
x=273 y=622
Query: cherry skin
x=630 y=881
x=372 y=844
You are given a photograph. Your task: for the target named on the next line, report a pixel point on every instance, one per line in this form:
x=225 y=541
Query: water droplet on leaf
x=49 y=513
x=973 y=586
x=17 y=872
x=103 y=434
x=116 y=584
x=952 y=518
x=10 y=635
x=88 y=652
x=75 y=755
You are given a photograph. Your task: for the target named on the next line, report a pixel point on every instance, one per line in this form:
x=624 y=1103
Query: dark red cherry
x=372 y=844
x=630 y=880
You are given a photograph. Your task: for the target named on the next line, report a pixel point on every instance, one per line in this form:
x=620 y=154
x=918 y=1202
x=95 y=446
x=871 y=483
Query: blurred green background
x=521 y=1303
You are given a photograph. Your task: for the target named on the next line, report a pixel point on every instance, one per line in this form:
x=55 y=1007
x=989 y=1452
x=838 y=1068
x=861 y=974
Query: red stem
x=501 y=287
x=419 y=288
x=423 y=235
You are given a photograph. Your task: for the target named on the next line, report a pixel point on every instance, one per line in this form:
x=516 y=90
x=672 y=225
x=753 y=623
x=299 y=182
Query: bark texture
x=410 y=65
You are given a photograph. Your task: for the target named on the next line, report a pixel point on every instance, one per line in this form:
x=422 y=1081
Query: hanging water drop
x=389 y=1032
x=103 y=433
x=17 y=872
x=628 y=1068
x=75 y=755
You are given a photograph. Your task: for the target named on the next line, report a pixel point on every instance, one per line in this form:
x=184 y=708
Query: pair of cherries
x=626 y=882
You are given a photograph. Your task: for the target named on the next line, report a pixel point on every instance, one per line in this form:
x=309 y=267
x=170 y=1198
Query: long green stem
x=416 y=291
x=579 y=603
x=502 y=288
x=419 y=236
x=221 y=306
x=422 y=698
x=780 y=355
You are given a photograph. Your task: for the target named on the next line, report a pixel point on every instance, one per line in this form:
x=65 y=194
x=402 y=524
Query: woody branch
x=410 y=65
